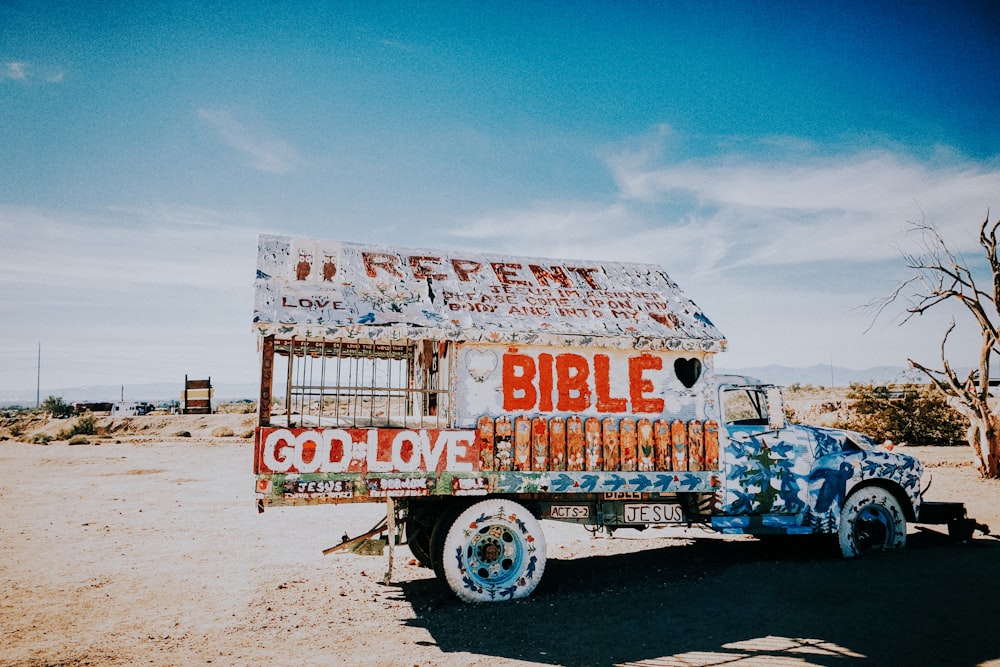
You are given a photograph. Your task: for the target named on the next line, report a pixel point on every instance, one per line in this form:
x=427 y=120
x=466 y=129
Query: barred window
x=356 y=384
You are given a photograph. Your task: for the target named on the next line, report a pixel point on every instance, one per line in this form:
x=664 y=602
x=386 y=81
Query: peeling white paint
x=330 y=289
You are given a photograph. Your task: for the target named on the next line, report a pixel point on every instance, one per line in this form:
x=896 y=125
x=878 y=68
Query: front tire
x=494 y=550
x=871 y=520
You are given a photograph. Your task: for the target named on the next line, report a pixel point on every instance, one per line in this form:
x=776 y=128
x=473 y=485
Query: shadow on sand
x=735 y=603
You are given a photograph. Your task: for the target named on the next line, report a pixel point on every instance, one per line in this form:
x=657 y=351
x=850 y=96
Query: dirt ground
x=145 y=548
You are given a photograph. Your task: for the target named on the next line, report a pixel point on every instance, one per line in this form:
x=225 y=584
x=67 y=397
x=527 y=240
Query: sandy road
x=153 y=553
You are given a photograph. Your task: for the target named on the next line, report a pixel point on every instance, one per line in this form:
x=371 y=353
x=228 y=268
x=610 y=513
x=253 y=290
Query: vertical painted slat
x=678 y=436
x=592 y=430
x=696 y=445
x=664 y=445
x=503 y=444
x=266 y=381
x=646 y=447
x=485 y=435
x=522 y=443
x=539 y=444
x=628 y=443
x=711 y=445
x=609 y=435
x=557 y=444
x=575 y=444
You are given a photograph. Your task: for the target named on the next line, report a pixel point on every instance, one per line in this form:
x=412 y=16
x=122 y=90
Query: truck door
x=766 y=469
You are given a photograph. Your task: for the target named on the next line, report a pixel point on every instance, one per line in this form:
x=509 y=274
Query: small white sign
x=570 y=512
x=654 y=513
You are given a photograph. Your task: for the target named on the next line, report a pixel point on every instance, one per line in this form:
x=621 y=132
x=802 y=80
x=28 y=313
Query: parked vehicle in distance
x=131 y=409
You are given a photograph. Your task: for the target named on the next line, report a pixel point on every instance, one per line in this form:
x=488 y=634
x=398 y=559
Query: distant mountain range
x=156 y=392
x=822 y=375
x=818 y=375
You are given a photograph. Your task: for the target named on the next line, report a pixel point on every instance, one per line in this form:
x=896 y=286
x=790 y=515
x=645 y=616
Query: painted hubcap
x=494 y=555
x=873 y=529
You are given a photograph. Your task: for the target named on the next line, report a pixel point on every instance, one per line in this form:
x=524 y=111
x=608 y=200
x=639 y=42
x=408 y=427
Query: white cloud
x=123 y=296
x=266 y=153
x=783 y=242
x=799 y=208
x=16 y=71
x=19 y=70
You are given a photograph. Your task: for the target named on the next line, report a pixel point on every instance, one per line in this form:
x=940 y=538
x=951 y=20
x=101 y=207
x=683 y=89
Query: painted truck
x=476 y=394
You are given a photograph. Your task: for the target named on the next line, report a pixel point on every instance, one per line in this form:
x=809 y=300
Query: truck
x=478 y=394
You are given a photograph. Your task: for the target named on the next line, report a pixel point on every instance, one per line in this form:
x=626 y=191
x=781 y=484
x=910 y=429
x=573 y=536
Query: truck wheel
x=418 y=538
x=871 y=520
x=438 y=535
x=494 y=550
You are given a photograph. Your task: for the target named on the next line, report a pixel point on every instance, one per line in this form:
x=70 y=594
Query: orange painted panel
x=522 y=443
x=503 y=444
x=696 y=445
x=678 y=435
x=557 y=444
x=575 y=444
x=592 y=431
x=609 y=431
x=629 y=443
x=539 y=444
x=645 y=445
x=711 y=445
x=485 y=435
x=664 y=445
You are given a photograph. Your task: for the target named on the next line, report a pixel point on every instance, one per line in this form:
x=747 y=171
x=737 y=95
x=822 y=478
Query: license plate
x=621 y=495
x=570 y=512
x=652 y=513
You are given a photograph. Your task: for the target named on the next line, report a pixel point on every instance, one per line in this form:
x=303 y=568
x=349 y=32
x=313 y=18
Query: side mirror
x=775 y=409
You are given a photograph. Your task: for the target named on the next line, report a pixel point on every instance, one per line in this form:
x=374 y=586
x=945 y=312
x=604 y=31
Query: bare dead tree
x=940 y=276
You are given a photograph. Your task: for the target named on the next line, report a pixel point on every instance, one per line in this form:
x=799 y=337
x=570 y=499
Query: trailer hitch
x=364 y=545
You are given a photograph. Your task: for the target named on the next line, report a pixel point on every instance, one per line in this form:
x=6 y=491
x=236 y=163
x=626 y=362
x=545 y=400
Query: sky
x=771 y=156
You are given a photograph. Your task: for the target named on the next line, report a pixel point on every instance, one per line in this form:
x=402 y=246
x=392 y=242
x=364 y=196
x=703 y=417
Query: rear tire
x=493 y=550
x=440 y=531
x=418 y=538
x=871 y=520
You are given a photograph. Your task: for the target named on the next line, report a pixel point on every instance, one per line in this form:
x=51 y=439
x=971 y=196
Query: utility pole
x=38 y=379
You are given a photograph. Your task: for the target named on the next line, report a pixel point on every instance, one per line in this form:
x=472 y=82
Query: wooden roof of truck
x=313 y=290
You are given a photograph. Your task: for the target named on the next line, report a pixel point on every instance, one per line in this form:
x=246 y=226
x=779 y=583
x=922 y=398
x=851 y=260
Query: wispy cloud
x=20 y=70
x=265 y=152
x=15 y=70
x=783 y=241
x=120 y=249
x=396 y=44
x=120 y=294
x=736 y=208
x=815 y=206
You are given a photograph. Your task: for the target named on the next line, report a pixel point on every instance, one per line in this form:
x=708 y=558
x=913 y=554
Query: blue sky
x=769 y=155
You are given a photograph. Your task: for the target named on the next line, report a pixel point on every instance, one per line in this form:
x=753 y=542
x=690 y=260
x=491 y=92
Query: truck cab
x=798 y=479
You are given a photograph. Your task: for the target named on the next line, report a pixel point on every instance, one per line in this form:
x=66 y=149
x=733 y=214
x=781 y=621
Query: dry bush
x=911 y=413
x=85 y=425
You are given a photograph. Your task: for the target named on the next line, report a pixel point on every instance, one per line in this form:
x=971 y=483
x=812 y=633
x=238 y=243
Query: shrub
x=909 y=413
x=85 y=425
x=57 y=407
x=40 y=439
x=222 y=432
x=79 y=440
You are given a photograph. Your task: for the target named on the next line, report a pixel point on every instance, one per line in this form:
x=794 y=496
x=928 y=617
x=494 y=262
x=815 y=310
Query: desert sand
x=146 y=548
